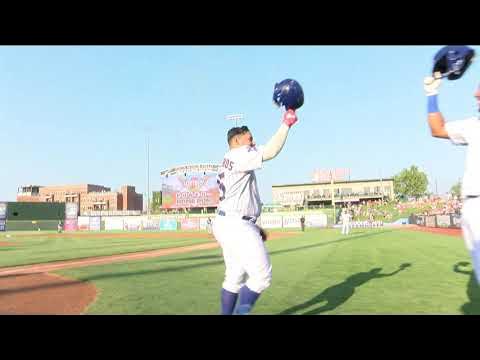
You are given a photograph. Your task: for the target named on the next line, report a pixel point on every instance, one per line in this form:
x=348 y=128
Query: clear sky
x=81 y=114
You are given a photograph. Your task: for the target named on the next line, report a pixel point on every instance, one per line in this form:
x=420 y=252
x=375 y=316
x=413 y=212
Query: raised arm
x=275 y=144
x=435 y=117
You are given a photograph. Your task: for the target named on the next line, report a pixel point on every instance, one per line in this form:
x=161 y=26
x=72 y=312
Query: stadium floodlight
x=235 y=117
x=147 y=140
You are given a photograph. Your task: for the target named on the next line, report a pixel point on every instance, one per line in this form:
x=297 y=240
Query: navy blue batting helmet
x=288 y=93
x=453 y=61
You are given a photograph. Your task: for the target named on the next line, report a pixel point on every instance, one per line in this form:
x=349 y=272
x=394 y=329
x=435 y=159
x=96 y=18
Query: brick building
x=89 y=197
x=355 y=191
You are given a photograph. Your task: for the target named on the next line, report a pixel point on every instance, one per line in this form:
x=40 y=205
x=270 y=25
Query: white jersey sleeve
x=459 y=131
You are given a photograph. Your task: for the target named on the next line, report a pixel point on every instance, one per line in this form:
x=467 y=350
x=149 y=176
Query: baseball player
x=248 y=271
x=345 y=222
x=462 y=132
x=209 y=225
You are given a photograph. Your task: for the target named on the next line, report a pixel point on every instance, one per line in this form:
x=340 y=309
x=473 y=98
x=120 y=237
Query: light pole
x=235 y=117
x=148 y=176
x=333 y=197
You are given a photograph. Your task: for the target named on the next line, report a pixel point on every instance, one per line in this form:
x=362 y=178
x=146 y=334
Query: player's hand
x=290 y=118
x=431 y=84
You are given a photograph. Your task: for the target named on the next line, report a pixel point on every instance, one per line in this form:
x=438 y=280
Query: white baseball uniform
x=467 y=132
x=345 y=222
x=246 y=258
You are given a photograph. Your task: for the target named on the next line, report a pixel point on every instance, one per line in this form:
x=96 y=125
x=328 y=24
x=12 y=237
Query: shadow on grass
x=473 y=290
x=338 y=294
x=219 y=261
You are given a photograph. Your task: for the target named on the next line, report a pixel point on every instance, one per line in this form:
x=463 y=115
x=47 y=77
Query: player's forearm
x=435 y=118
x=275 y=144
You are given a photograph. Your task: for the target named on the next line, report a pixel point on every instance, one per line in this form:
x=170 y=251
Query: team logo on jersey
x=194 y=183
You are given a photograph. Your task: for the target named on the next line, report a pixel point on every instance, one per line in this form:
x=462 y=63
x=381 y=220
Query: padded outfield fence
x=436 y=221
x=164 y=223
x=31 y=225
x=31 y=216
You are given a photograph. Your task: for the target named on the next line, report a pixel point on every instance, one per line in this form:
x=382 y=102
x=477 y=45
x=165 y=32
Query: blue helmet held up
x=453 y=61
x=288 y=93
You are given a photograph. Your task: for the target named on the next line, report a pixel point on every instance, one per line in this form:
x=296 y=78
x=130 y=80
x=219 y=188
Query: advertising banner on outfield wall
x=271 y=221
x=190 y=191
x=3 y=216
x=113 y=223
x=94 y=223
x=71 y=225
x=151 y=224
x=316 y=220
x=71 y=211
x=190 y=224
x=420 y=220
x=132 y=223
x=83 y=223
x=443 y=220
x=291 y=221
x=168 y=224
x=430 y=221
x=3 y=210
x=456 y=220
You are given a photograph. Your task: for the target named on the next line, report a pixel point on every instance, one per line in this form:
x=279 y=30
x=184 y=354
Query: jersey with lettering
x=467 y=132
x=237 y=182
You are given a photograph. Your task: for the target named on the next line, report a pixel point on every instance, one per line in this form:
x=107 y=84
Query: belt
x=248 y=218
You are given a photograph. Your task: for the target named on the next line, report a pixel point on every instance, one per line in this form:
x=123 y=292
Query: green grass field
x=319 y=272
x=40 y=248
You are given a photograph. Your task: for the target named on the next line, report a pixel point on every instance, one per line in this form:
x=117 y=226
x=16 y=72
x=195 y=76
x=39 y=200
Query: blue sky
x=81 y=114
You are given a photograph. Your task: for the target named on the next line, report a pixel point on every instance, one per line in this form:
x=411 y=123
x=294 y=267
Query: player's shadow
x=338 y=294
x=473 y=290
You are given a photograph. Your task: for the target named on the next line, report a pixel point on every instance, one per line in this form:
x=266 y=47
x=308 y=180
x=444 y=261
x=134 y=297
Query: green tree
x=156 y=204
x=410 y=182
x=455 y=189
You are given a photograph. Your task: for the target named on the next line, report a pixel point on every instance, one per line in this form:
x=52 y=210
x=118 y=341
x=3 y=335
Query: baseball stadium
x=88 y=260
x=202 y=242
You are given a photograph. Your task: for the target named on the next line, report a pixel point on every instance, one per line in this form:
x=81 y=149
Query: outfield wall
x=436 y=221
x=169 y=222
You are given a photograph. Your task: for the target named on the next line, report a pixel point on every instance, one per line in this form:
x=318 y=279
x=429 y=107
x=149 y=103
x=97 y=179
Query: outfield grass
x=319 y=272
x=41 y=248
